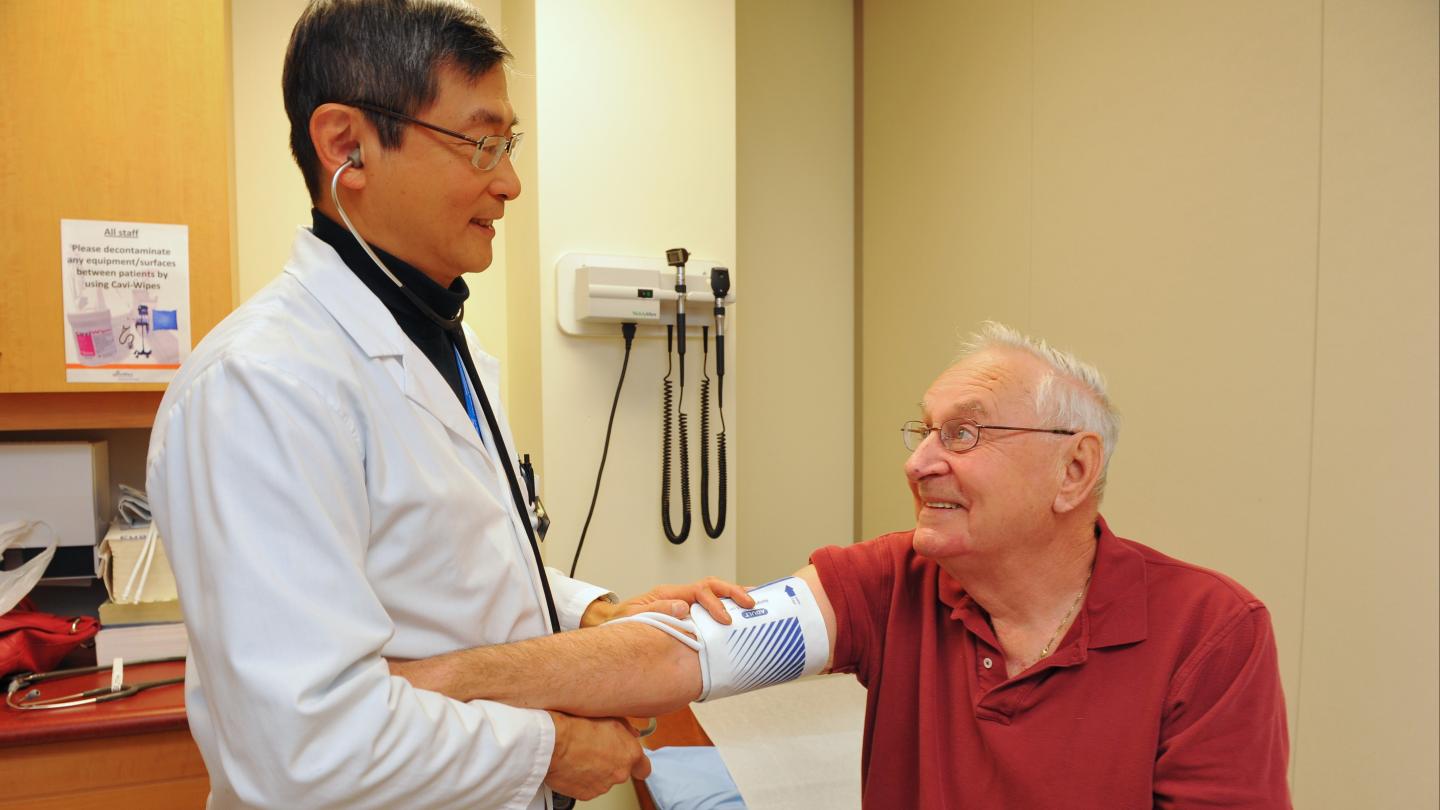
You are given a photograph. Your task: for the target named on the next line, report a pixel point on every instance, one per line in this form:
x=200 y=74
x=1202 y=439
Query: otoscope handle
x=680 y=344
x=719 y=349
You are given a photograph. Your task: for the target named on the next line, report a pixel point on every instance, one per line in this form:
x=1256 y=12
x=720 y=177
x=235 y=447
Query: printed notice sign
x=127 y=300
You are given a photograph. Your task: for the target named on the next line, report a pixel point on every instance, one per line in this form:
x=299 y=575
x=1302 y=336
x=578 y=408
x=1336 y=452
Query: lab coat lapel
x=488 y=369
x=426 y=388
x=323 y=273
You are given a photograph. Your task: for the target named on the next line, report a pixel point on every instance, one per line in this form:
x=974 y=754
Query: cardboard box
x=64 y=484
x=118 y=555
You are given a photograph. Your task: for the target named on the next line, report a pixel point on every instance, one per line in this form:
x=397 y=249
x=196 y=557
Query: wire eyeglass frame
x=913 y=433
x=507 y=145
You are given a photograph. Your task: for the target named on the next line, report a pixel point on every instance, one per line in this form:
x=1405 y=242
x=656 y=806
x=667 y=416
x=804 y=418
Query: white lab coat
x=325 y=502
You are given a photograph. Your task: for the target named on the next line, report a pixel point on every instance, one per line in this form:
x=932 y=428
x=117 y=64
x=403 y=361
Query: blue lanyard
x=469 y=398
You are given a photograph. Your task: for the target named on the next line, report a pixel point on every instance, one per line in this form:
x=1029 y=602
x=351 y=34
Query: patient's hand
x=674 y=600
x=593 y=755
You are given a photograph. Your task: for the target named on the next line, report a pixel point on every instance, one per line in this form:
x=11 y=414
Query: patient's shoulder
x=896 y=545
x=887 y=551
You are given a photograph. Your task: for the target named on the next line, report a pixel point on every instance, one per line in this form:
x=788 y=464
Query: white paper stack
x=141 y=642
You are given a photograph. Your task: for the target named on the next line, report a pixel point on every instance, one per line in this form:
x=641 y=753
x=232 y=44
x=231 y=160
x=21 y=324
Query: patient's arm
x=822 y=601
x=607 y=671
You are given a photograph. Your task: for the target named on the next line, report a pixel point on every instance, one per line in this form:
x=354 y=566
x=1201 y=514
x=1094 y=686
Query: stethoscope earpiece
x=356 y=158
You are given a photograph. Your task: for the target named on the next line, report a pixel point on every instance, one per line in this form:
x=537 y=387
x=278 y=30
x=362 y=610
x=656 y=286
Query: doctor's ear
x=337 y=132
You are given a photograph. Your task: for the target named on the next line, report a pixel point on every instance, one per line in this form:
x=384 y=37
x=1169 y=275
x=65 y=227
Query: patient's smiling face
x=1000 y=492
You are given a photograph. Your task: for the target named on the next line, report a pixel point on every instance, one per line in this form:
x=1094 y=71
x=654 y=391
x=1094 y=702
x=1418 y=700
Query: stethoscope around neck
x=467 y=367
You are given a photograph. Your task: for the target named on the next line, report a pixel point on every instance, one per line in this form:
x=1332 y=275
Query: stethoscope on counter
x=30 y=698
x=473 y=391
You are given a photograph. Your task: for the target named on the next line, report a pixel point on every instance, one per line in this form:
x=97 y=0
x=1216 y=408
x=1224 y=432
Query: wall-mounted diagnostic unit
x=594 y=293
x=676 y=297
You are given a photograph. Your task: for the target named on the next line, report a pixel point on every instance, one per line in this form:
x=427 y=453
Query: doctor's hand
x=674 y=600
x=592 y=756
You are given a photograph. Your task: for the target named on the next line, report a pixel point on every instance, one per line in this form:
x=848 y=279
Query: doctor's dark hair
x=384 y=52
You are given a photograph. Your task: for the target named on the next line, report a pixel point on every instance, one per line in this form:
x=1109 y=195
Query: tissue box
x=64 y=484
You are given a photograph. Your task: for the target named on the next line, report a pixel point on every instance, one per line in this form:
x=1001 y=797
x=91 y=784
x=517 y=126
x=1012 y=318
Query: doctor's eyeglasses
x=488 y=150
x=961 y=435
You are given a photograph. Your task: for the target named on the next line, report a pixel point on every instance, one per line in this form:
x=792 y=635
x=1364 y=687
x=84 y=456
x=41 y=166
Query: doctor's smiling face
x=425 y=201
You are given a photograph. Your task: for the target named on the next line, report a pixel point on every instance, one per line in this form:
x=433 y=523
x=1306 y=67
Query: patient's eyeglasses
x=961 y=435
x=488 y=150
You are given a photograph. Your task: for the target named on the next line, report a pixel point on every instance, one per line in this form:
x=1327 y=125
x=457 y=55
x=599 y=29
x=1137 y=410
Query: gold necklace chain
x=1045 y=651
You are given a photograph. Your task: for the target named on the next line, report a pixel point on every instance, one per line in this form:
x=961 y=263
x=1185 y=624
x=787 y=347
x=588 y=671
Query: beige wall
x=635 y=142
x=635 y=124
x=1368 y=696
x=795 y=164
x=270 y=196
x=1231 y=209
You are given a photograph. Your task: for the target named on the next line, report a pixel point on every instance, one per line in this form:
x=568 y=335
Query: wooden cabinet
x=112 y=111
x=154 y=771
x=130 y=754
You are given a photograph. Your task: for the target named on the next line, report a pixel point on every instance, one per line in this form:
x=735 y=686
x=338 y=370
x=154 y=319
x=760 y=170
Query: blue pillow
x=691 y=777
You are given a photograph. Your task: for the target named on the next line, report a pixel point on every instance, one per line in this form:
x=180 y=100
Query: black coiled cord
x=669 y=408
x=713 y=530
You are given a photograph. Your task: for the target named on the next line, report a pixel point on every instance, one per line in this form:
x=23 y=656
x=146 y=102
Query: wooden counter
x=137 y=752
x=130 y=753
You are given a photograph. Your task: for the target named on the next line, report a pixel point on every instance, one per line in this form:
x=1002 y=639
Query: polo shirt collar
x=1115 y=608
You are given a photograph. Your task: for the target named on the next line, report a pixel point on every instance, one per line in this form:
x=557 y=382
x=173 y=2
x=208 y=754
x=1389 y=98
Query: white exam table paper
x=792 y=746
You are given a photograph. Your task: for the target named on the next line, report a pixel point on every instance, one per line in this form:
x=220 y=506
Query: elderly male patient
x=1018 y=654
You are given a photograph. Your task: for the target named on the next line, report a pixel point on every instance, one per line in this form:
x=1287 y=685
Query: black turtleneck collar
x=434 y=341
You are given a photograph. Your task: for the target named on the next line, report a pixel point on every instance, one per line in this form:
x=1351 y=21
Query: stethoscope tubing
x=103 y=694
x=468 y=369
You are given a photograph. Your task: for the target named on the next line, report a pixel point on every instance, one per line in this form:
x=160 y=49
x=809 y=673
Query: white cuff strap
x=668 y=624
x=780 y=639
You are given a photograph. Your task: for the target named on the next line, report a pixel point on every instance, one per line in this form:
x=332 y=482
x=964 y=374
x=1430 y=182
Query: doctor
x=334 y=477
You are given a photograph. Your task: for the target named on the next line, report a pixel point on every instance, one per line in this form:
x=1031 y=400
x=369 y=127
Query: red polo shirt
x=1164 y=693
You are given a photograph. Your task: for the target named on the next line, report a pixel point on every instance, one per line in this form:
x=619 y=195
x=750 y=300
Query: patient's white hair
x=1072 y=393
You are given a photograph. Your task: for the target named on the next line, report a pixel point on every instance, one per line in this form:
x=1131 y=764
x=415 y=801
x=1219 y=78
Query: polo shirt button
x=988 y=663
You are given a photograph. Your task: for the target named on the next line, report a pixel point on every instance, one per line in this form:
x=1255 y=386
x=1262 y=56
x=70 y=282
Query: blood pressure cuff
x=780 y=639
